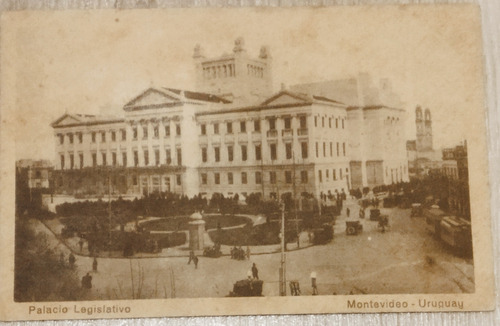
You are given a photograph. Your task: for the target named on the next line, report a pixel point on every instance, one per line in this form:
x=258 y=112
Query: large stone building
x=231 y=136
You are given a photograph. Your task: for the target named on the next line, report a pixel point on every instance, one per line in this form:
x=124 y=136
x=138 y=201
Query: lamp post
x=283 y=255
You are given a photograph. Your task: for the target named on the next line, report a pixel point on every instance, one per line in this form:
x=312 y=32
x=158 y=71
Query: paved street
x=405 y=259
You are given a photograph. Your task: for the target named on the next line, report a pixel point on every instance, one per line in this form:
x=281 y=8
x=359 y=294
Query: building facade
x=231 y=137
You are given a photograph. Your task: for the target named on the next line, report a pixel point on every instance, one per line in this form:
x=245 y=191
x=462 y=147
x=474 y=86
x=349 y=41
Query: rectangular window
x=144 y=132
x=229 y=127
x=216 y=128
x=80 y=137
x=103 y=136
x=329 y=122
x=272 y=177
x=337 y=123
x=167 y=130
x=217 y=178
x=324 y=149
x=124 y=134
x=156 y=132
x=61 y=139
x=258 y=177
x=334 y=174
x=70 y=136
x=243 y=126
x=323 y=122
x=71 y=161
x=134 y=133
x=288 y=148
x=157 y=157
x=303 y=147
x=256 y=125
x=342 y=123
x=230 y=178
x=303 y=122
x=134 y=180
x=338 y=149
x=317 y=149
x=320 y=176
x=113 y=135
x=93 y=136
x=327 y=174
x=230 y=153
x=104 y=161
x=136 y=158
x=272 y=123
x=146 y=157
x=315 y=121
x=113 y=158
x=331 y=149
x=217 y=154
x=288 y=123
x=258 y=153
x=203 y=129
x=204 y=156
x=179 y=156
x=243 y=152
x=288 y=176
x=244 y=178
x=177 y=129
x=168 y=156
x=62 y=161
x=340 y=174
x=272 y=148
x=204 y=178
x=303 y=177
x=124 y=159
x=343 y=148
x=179 y=179
x=94 y=159
x=81 y=160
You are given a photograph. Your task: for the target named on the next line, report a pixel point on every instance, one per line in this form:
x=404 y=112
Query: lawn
x=180 y=223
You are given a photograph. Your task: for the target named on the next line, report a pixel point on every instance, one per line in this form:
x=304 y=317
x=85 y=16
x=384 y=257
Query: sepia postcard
x=199 y=162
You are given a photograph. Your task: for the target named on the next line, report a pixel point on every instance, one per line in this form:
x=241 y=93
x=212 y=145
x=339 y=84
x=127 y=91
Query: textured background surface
x=490 y=10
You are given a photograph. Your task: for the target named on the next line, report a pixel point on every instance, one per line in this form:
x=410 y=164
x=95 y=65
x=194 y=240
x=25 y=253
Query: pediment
x=66 y=119
x=152 y=97
x=286 y=98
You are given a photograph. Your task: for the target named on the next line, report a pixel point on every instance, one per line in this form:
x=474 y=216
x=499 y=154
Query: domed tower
x=237 y=76
x=423 y=123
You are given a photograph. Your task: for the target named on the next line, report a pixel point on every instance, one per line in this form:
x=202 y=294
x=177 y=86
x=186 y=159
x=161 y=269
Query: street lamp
x=283 y=256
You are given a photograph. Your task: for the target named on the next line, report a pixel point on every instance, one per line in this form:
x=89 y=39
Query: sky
x=93 y=62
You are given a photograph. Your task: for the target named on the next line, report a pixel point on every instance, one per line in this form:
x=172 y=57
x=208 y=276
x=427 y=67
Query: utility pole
x=295 y=200
x=283 y=255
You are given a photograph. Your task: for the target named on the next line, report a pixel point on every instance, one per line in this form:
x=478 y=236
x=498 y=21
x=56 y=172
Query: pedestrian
x=195 y=259
x=61 y=259
x=248 y=252
x=313 y=284
x=348 y=211
x=87 y=281
x=94 y=265
x=191 y=256
x=71 y=260
x=255 y=272
x=81 y=244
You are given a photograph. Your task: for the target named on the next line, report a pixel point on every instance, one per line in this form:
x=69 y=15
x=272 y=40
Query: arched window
x=418 y=113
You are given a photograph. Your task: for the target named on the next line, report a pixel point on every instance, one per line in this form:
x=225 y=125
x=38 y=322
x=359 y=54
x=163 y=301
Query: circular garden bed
x=180 y=223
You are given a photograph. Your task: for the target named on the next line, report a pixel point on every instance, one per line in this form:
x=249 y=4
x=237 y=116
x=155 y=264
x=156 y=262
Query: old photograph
x=326 y=154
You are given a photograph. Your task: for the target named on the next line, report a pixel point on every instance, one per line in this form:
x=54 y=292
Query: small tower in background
x=423 y=123
x=237 y=77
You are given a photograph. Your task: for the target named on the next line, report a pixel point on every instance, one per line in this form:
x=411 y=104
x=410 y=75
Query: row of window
x=121 y=132
x=339 y=122
x=256 y=125
x=334 y=174
x=330 y=149
x=273 y=150
x=219 y=71
x=114 y=159
x=257 y=177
